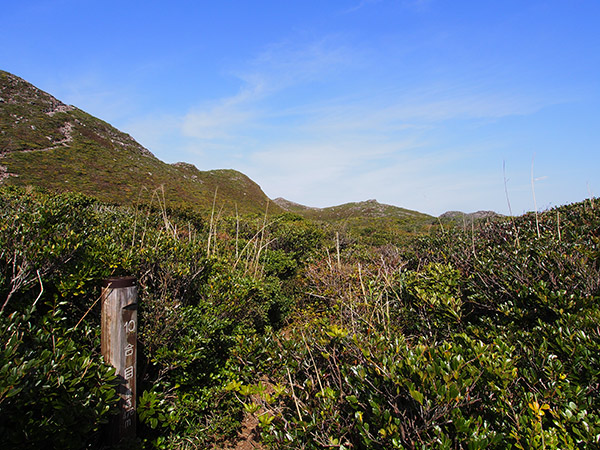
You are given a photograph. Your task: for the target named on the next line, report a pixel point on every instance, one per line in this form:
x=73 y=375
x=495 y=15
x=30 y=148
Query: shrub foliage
x=485 y=337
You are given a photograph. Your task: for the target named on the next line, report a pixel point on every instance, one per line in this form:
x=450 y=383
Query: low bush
x=467 y=338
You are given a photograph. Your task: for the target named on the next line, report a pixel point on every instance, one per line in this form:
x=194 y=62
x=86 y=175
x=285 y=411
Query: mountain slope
x=294 y=207
x=375 y=222
x=369 y=209
x=45 y=143
x=459 y=216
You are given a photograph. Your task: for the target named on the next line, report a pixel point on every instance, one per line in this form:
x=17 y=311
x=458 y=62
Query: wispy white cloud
x=286 y=63
x=220 y=119
x=418 y=5
x=363 y=141
x=360 y=5
x=324 y=172
x=90 y=92
x=156 y=132
x=403 y=111
x=279 y=67
x=401 y=173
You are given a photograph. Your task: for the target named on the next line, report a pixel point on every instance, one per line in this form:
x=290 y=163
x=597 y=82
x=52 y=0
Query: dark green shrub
x=54 y=391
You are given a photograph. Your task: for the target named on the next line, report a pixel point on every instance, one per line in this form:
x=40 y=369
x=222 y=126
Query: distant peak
x=15 y=90
x=288 y=205
x=184 y=165
x=474 y=215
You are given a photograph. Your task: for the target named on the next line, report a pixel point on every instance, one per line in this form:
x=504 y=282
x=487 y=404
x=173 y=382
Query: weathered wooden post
x=119 y=338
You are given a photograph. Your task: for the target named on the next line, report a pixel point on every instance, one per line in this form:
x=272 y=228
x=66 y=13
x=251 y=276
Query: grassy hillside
x=59 y=147
x=370 y=220
x=48 y=144
x=463 y=219
x=367 y=209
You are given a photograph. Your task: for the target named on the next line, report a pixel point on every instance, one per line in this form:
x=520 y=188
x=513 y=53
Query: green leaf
x=416 y=395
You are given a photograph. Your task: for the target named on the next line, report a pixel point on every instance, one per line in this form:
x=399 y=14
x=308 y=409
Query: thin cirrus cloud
x=403 y=173
x=220 y=120
x=273 y=73
x=313 y=149
x=288 y=63
x=325 y=64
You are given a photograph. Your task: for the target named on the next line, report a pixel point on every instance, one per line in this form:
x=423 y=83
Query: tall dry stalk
x=537 y=222
x=337 y=249
x=237 y=233
x=473 y=238
x=168 y=226
x=254 y=249
x=441 y=225
x=135 y=220
x=210 y=227
x=512 y=217
x=262 y=238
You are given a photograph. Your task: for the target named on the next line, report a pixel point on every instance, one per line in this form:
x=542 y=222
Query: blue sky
x=416 y=103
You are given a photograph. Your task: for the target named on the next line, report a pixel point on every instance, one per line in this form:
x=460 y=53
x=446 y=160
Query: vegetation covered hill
x=48 y=144
x=367 y=209
x=268 y=333
x=377 y=222
x=461 y=217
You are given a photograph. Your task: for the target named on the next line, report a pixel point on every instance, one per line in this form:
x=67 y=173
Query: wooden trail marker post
x=119 y=348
